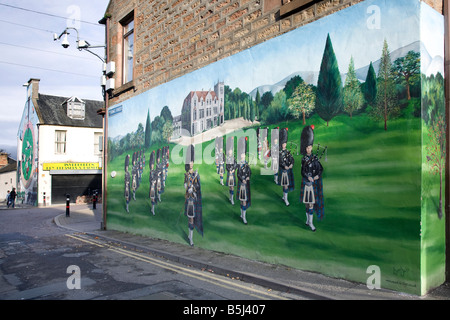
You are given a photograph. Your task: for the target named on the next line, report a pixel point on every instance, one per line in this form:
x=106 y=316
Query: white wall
x=7 y=182
x=79 y=148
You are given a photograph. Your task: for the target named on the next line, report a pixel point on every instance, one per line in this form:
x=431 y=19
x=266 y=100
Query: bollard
x=67 y=205
x=94 y=201
x=44 y=200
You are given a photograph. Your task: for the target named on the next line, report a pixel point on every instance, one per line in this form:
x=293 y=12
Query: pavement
x=308 y=285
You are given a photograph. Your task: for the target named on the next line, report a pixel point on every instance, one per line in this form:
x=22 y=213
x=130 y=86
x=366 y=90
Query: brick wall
x=175 y=37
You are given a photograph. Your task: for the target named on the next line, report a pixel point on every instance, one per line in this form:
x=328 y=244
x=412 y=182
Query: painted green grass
x=372 y=188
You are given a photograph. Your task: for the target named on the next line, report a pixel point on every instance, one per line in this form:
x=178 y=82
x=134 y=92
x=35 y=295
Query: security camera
x=55 y=37
x=82 y=44
x=65 y=43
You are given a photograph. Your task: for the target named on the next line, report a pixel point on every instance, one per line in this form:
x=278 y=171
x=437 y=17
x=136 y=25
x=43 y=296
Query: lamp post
x=84 y=45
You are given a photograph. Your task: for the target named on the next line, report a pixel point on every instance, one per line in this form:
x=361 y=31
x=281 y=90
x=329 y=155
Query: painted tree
x=433 y=104
x=329 y=100
x=166 y=114
x=370 y=86
x=302 y=101
x=228 y=107
x=237 y=102
x=167 y=131
x=252 y=109
x=436 y=153
x=353 y=97
x=245 y=110
x=407 y=68
x=291 y=85
x=258 y=104
x=148 y=131
x=266 y=100
x=433 y=96
x=274 y=112
x=385 y=106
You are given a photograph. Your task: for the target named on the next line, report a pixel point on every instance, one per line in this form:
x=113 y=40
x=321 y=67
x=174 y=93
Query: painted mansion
x=203 y=110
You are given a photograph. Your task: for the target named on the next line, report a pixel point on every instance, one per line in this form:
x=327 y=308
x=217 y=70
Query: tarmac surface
x=308 y=284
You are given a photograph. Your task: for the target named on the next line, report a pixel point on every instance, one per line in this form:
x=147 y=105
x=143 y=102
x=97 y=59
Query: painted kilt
x=318 y=196
x=195 y=198
x=231 y=177
x=220 y=165
x=286 y=159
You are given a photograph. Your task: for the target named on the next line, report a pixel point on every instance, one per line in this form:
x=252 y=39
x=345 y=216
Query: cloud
x=26 y=45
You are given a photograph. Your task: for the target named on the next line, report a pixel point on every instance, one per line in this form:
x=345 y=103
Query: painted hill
x=429 y=65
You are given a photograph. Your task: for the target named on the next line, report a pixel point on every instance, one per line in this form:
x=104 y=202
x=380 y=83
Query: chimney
x=3 y=159
x=34 y=88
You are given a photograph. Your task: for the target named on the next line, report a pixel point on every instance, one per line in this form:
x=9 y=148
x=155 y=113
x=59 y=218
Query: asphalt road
x=41 y=261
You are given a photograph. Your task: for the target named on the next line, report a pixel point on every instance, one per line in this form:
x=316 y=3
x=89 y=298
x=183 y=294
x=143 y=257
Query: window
x=60 y=141
x=128 y=50
x=97 y=143
x=75 y=108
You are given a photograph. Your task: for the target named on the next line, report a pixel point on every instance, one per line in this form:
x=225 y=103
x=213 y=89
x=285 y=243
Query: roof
x=204 y=94
x=51 y=111
x=11 y=166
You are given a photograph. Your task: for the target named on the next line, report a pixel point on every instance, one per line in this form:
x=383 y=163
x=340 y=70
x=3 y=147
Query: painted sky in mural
x=255 y=67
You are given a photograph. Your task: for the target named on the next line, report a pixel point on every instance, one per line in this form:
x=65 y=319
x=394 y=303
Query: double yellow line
x=216 y=280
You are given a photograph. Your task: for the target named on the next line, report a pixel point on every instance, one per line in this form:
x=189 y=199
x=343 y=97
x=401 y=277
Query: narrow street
x=37 y=258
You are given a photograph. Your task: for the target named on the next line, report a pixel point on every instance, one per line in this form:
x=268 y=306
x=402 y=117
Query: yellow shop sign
x=71 y=166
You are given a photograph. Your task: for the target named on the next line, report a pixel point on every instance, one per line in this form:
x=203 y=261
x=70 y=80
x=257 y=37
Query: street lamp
x=107 y=81
x=107 y=87
x=81 y=44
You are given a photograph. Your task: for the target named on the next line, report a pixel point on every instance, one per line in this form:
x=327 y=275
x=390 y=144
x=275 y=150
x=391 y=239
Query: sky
x=358 y=31
x=28 y=51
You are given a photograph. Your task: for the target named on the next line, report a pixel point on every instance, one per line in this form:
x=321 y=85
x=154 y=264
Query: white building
x=58 y=147
x=8 y=169
x=203 y=110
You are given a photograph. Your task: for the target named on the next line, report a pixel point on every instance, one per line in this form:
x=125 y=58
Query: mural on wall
x=309 y=148
x=27 y=170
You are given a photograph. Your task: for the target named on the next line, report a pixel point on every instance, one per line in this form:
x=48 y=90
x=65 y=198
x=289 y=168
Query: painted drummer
x=311 y=192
